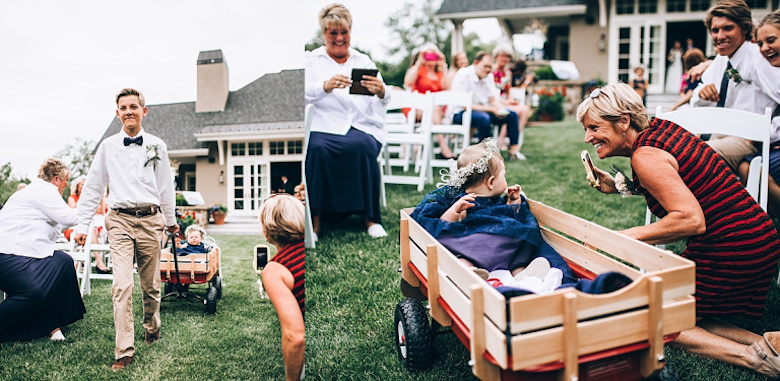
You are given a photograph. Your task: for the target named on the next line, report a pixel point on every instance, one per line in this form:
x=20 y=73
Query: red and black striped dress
x=737 y=255
x=293 y=257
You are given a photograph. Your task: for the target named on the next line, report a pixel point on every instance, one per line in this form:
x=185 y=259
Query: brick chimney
x=212 y=82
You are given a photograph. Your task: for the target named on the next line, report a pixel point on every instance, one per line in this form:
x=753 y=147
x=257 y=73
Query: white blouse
x=32 y=220
x=336 y=112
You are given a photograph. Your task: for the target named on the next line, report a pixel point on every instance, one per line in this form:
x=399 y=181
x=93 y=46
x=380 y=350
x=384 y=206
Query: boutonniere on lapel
x=734 y=75
x=152 y=154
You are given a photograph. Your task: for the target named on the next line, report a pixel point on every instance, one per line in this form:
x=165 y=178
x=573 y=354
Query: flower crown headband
x=457 y=176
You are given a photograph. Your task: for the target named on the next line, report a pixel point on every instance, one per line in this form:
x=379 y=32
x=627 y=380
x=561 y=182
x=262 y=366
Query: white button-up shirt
x=32 y=219
x=749 y=95
x=131 y=181
x=484 y=90
x=336 y=112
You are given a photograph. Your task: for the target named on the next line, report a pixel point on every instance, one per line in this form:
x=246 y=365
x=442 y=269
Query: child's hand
x=513 y=194
x=456 y=212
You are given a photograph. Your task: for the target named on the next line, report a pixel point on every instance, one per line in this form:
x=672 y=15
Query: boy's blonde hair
x=281 y=218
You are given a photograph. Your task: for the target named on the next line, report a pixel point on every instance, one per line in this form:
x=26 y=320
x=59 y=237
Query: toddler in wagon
x=495 y=234
x=194 y=234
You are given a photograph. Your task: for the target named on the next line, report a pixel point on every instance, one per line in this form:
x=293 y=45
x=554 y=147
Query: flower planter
x=546 y=117
x=219 y=218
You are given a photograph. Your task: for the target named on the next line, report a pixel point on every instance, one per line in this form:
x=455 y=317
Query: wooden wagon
x=195 y=268
x=565 y=335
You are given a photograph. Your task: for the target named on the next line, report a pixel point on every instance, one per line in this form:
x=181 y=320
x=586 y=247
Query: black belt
x=139 y=212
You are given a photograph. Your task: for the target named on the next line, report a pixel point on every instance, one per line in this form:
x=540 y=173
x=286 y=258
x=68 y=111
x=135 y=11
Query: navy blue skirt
x=42 y=294
x=342 y=174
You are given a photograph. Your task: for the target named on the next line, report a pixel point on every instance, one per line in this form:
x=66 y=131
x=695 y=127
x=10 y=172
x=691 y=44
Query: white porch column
x=221 y=152
x=457 y=37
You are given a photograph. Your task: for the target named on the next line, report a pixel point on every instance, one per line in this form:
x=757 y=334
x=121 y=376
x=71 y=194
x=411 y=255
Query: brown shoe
x=150 y=337
x=122 y=363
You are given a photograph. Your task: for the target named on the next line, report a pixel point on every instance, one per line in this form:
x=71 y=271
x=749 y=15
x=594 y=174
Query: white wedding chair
x=403 y=134
x=725 y=121
x=458 y=135
x=309 y=240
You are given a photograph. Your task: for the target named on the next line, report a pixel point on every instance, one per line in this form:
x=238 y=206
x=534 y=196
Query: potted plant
x=218 y=212
x=550 y=106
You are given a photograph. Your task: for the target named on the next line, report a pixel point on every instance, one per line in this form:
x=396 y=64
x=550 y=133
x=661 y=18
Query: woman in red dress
x=690 y=188
x=426 y=75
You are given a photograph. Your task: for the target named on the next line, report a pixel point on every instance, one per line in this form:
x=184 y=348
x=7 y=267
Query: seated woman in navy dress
x=40 y=283
x=342 y=171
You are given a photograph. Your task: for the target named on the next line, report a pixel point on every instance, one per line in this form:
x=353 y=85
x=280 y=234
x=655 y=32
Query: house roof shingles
x=466 y=6
x=269 y=100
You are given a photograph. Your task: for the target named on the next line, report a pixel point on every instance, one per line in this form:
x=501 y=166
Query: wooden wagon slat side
x=544 y=330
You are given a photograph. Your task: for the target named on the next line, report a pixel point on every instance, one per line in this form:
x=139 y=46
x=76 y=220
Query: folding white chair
x=742 y=124
x=309 y=240
x=396 y=122
x=460 y=133
x=419 y=138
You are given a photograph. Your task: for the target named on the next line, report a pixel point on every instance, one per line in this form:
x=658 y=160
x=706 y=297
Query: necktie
x=137 y=140
x=724 y=87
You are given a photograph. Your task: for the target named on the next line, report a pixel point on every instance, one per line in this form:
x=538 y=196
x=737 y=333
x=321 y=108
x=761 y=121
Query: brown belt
x=139 y=212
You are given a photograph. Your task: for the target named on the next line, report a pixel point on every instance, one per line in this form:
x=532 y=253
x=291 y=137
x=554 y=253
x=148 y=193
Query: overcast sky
x=62 y=62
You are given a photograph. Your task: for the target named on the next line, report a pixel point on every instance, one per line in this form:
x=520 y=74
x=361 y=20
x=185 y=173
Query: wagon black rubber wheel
x=412 y=334
x=169 y=288
x=211 y=300
x=217 y=283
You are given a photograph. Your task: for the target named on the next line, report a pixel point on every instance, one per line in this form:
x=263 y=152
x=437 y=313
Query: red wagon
x=565 y=335
x=179 y=272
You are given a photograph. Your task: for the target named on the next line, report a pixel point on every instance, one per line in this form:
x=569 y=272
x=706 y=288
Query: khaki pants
x=130 y=237
x=732 y=149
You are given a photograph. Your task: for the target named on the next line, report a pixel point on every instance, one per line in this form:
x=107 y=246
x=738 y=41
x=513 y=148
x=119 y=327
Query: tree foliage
x=77 y=156
x=8 y=182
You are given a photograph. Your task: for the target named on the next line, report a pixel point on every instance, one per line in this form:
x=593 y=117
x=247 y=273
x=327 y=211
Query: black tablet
x=357 y=76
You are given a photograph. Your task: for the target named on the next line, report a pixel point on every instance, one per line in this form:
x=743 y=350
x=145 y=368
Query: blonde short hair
x=127 y=91
x=335 y=15
x=613 y=101
x=281 y=218
x=51 y=168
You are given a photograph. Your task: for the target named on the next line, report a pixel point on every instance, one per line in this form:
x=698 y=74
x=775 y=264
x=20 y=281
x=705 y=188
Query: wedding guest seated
x=487 y=106
x=458 y=61
x=281 y=221
x=504 y=55
x=426 y=75
x=768 y=40
x=347 y=132
x=195 y=235
x=691 y=58
x=42 y=291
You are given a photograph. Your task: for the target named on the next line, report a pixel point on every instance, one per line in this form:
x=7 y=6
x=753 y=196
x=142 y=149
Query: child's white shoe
x=538 y=268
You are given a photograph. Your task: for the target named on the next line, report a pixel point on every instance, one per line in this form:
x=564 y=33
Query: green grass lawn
x=352 y=289
x=240 y=342
x=353 y=280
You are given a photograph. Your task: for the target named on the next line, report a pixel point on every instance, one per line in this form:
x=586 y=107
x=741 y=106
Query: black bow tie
x=137 y=140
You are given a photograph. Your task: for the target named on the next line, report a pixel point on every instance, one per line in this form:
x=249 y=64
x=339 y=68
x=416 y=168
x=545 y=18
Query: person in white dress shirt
x=347 y=133
x=731 y=27
x=40 y=283
x=487 y=106
x=134 y=165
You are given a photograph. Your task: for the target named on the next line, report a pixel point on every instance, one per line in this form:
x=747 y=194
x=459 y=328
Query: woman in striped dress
x=281 y=219
x=695 y=195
